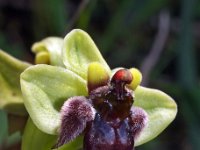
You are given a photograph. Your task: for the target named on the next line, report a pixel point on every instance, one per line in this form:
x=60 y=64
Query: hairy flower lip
x=111 y=103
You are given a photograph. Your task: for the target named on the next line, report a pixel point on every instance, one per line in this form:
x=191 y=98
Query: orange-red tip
x=122 y=75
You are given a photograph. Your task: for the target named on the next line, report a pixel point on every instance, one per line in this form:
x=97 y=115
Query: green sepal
x=45 y=88
x=11 y=98
x=79 y=51
x=161 y=110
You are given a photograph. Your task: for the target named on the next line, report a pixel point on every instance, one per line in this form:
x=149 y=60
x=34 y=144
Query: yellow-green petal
x=11 y=98
x=45 y=88
x=79 y=51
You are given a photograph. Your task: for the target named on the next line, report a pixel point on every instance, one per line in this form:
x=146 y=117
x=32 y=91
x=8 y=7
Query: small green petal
x=51 y=45
x=79 y=51
x=45 y=88
x=10 y=94
x=161 y=110
x=97 y=76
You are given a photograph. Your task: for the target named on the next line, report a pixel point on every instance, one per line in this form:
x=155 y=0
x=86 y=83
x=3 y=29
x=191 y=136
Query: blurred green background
x=161 y=37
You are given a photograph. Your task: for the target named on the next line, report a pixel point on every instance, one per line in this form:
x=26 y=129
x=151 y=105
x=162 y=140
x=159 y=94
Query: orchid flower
x=76 y=101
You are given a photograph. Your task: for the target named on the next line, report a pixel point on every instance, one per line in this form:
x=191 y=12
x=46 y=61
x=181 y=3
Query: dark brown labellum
x=107 y=116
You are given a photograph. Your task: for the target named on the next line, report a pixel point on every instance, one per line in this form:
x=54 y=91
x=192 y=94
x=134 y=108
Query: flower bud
x=42 y=58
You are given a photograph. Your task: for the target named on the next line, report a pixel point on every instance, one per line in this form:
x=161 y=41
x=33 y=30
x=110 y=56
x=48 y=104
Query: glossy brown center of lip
x=111 y=128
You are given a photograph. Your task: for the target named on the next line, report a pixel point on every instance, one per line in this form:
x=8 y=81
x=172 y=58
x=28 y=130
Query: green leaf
x=35 y=139
x=79 y=51
x=3 y=127
x=52 y=45
x=10 y=94
x=161 y=110
x=45 y=88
